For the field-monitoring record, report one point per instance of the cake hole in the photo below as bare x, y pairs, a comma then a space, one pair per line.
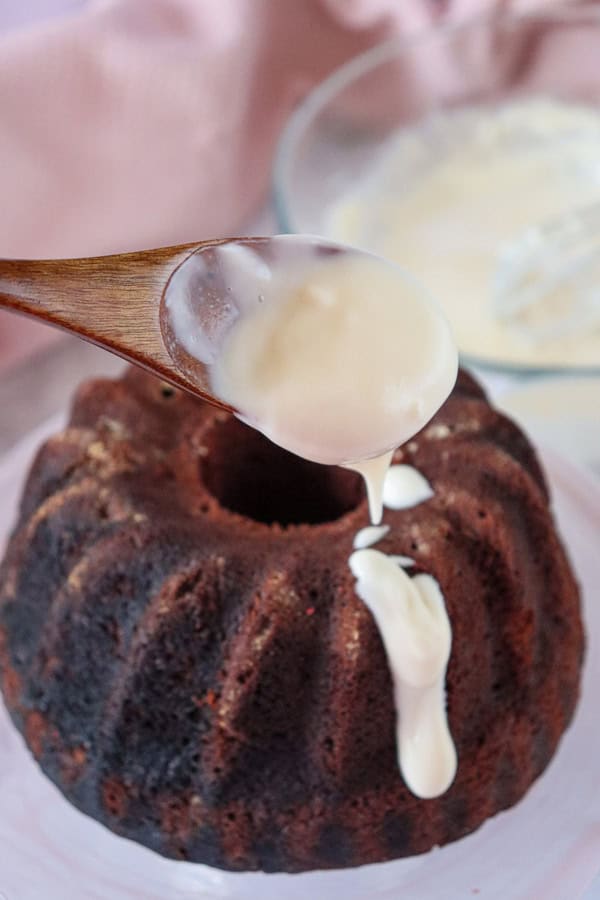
167, 391
250, 475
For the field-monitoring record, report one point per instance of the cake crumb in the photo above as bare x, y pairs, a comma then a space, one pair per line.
437, 432
97, 451
115, 427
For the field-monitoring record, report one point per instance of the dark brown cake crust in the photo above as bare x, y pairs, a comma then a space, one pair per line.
210, 685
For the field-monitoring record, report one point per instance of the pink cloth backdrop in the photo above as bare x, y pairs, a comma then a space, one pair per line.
136, 123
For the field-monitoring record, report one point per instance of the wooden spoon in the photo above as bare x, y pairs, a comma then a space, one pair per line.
156, 308
111, 301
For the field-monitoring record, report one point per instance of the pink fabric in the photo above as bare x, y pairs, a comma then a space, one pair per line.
136, 123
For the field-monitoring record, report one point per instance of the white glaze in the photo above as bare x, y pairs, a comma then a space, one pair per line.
416, 633
343, 358
374, 472
404, 561
369, 535
415, 630
404, 487
447, 196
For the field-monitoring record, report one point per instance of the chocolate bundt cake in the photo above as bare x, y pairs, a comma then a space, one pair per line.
183, 649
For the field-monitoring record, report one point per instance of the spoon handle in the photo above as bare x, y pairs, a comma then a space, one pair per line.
111, 301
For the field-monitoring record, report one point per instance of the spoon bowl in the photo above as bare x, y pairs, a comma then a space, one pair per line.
217, 283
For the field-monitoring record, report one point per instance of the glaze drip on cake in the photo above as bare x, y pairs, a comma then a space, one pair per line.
415, 630
369, 535
404, 487
416, 633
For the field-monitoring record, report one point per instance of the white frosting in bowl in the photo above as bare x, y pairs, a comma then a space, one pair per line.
447, 197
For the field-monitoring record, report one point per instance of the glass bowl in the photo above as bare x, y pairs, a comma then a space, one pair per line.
346, 126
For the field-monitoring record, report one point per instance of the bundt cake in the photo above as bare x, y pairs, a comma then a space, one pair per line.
184, 651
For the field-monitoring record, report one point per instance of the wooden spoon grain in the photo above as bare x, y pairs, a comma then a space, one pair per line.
111, 301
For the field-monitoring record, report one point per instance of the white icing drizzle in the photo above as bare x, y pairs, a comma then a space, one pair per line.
368, 536
403, 561
374, 472
416, 633
404, 487
339, 357
415, 630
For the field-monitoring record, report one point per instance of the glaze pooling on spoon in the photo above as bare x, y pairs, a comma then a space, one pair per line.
343, 359
446, 199
334, 354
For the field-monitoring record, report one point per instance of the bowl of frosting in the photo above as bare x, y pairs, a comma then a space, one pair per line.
446, 151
